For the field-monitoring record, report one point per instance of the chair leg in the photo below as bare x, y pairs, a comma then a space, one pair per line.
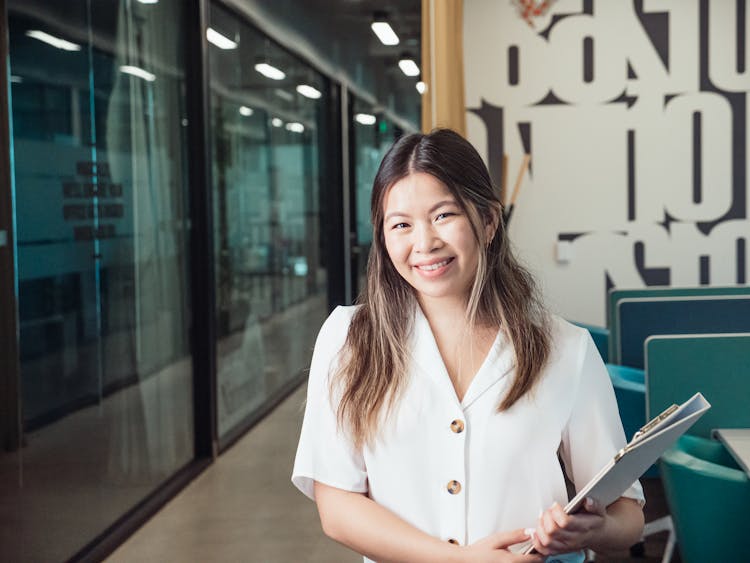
663, 524
669, 548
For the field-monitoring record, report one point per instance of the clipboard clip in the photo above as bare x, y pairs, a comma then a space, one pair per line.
645, 430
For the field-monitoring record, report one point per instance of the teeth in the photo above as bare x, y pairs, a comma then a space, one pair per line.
434, 266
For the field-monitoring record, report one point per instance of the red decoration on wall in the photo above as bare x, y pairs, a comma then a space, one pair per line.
530, 9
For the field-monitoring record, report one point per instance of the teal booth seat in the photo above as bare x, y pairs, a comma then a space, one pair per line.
630, 392
708, 496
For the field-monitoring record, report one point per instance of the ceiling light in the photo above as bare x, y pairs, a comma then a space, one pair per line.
139, 72
284, 95
383, 29
295, 127
246, 111
270, 71
52, 40
408, 66
276, 122
148, 1
221, 41
421, 87
309, 91
15, 79
365, 119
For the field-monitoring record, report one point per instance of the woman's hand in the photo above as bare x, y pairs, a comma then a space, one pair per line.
494, 549
559, 532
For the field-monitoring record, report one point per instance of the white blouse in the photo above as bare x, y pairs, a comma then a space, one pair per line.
459, 470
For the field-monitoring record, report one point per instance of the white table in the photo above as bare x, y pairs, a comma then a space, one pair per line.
737, 441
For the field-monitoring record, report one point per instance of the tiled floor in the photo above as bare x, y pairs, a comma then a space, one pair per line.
244, 508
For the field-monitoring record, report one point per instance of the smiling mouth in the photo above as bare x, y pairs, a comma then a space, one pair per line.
436, 265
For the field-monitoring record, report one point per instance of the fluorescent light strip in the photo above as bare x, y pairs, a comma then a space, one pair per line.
270, 71
365, 119
15, 79
276, 122
219, 40
246, 111
52, 40
148, 1
408, 67
138, 72
385, 33
308, 91
295, 127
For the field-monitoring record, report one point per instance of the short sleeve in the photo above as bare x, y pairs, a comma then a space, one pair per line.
324, 453
594, 431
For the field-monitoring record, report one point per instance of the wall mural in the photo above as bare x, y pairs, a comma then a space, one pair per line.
635, 114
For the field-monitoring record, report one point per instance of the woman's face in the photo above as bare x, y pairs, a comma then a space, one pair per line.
429, 238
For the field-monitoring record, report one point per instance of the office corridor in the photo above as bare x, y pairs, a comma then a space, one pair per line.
242, 508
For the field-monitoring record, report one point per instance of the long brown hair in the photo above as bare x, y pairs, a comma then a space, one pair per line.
373, 367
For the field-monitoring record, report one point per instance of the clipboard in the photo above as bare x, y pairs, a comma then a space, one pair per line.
638, 455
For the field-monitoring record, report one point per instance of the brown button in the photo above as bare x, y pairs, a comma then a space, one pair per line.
454, 542
457, 426
454, 487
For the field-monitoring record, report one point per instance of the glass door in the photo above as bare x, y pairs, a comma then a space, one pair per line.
98, 145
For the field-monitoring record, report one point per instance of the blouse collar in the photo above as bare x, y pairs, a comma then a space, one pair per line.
498, 363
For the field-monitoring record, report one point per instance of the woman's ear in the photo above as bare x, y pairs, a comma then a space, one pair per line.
491, 227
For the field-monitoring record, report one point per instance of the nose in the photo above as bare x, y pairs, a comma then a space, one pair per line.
426, 238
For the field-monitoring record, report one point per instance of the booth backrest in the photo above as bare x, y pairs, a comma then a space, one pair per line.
643, 317
677, 366
616, 294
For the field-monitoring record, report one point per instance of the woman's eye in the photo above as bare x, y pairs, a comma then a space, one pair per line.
400, 226
444, 215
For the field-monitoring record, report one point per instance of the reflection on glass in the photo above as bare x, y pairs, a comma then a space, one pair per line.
97, 104
372, 136
266, 107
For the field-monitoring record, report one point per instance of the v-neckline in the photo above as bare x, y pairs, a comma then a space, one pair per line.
427, 352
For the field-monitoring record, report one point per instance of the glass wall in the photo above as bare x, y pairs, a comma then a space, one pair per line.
372, 135
98, 98
266, 110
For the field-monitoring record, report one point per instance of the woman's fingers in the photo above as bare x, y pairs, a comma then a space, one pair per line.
592, 506
501, 540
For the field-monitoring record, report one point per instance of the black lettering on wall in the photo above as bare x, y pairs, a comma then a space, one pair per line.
741, 6
697, 162
524, 130
513, 65
656, 26
631, 175
493, 119
588, 60
737, 101
704, 275
650, 276
741, 265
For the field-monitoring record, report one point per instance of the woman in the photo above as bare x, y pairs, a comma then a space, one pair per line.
439, 410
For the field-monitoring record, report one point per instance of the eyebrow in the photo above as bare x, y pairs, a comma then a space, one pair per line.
438, 205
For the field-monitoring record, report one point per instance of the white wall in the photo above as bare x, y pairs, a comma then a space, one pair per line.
680, 216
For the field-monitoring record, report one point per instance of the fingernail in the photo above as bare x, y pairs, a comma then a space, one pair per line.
529, 532
589, 502
541, 511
